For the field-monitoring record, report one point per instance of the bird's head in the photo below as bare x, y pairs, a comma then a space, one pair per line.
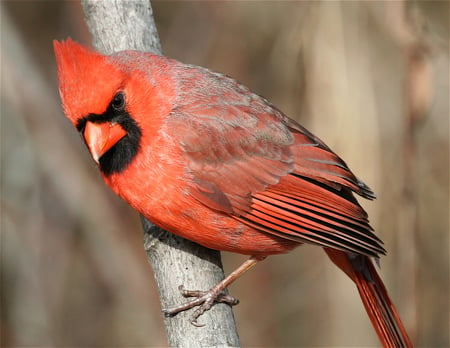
110, 99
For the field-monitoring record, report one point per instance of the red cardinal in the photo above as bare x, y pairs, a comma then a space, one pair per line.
203, 157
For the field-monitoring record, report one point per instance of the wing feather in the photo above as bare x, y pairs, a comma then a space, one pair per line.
247, 159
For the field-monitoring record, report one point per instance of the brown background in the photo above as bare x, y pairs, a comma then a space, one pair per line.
370, 78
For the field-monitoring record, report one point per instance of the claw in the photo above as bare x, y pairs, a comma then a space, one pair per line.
221, 297
204, 300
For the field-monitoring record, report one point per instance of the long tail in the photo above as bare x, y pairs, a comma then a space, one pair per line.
379, 307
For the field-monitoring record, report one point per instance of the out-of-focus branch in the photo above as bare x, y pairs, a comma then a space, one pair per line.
120, 25
418, 94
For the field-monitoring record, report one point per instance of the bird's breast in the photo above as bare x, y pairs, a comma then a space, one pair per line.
158, 189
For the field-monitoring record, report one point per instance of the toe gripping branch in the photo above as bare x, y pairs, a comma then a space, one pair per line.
205, 300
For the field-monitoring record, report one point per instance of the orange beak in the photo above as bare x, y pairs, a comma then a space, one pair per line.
100, 137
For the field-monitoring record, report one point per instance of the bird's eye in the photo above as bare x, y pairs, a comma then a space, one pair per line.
118, 102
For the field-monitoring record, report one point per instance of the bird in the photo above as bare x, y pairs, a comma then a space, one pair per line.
202, 156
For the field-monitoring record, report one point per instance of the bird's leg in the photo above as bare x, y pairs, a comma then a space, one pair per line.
206, 299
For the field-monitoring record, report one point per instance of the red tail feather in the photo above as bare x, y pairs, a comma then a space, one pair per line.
379, 307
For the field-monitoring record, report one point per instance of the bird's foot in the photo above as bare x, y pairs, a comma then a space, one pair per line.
204, 300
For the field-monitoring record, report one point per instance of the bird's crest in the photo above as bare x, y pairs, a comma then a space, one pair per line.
87, 79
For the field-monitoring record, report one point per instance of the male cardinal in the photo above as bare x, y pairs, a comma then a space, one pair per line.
203, 157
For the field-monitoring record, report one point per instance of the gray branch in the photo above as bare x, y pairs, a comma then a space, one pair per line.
117, 25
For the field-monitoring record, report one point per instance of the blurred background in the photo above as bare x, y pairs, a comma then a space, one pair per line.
369, 78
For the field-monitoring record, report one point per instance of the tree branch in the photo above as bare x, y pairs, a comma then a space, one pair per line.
117, 25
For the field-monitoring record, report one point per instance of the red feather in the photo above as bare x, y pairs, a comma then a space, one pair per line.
207, 159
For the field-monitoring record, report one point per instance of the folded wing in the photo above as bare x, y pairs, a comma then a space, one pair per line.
249, 160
